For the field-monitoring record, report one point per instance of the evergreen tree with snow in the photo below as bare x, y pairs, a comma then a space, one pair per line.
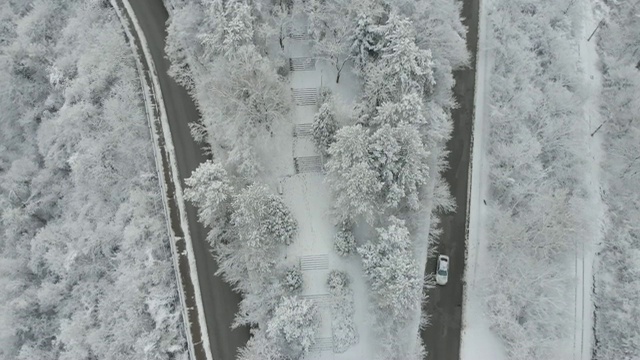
352, 176
209, 189
294, 325
260, 224
401, 162
402, 64
324, 127
392, 271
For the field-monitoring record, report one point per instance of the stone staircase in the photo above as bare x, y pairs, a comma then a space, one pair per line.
314, 262
322, 344
302, 130
296, 33
308, 164
305, 96
302, 64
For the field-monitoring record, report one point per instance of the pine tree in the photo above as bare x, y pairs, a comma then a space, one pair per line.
294, 325
352, 176
209, 189
324, 127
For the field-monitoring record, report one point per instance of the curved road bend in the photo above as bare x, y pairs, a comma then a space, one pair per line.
220, 302
442, 337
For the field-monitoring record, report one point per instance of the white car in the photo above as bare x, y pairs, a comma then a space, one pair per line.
442, 270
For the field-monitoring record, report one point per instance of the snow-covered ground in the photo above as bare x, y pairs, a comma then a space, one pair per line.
309, 199
585, 253
478, 341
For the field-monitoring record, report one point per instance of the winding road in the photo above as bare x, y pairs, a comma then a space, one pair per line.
442, 336
219, 300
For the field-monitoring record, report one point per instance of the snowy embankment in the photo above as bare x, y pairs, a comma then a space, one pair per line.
153, 100
499, 321
478, 342
585, 253
617, 284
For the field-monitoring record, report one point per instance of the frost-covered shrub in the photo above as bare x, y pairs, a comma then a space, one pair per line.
324, 127
325, 95
338, 282
342, 310
344, 242
293, 279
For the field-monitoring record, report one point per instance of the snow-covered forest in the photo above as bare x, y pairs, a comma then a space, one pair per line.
85, 263
617, 276
383, 152
540, 163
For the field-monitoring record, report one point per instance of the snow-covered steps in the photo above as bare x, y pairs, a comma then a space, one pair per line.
322, 344
314, 262
307, 164
305, 96
302, 130
302, 64
297, 33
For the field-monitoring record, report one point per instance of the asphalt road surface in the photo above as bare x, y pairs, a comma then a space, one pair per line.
442, 337
220, 302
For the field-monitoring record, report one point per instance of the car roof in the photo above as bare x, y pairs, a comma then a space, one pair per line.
444, 262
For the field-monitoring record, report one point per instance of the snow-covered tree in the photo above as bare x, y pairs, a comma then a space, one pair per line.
352, 176
230, 25
401, 67
401, 161
333, 25
392, 271
324, 127
209, 189
260, 225
410, 109
364, 43
260, 347
294, 325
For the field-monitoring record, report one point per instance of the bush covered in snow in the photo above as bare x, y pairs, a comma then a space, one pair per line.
344, 242
343, 328
324, 127
338, 282
293, 279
